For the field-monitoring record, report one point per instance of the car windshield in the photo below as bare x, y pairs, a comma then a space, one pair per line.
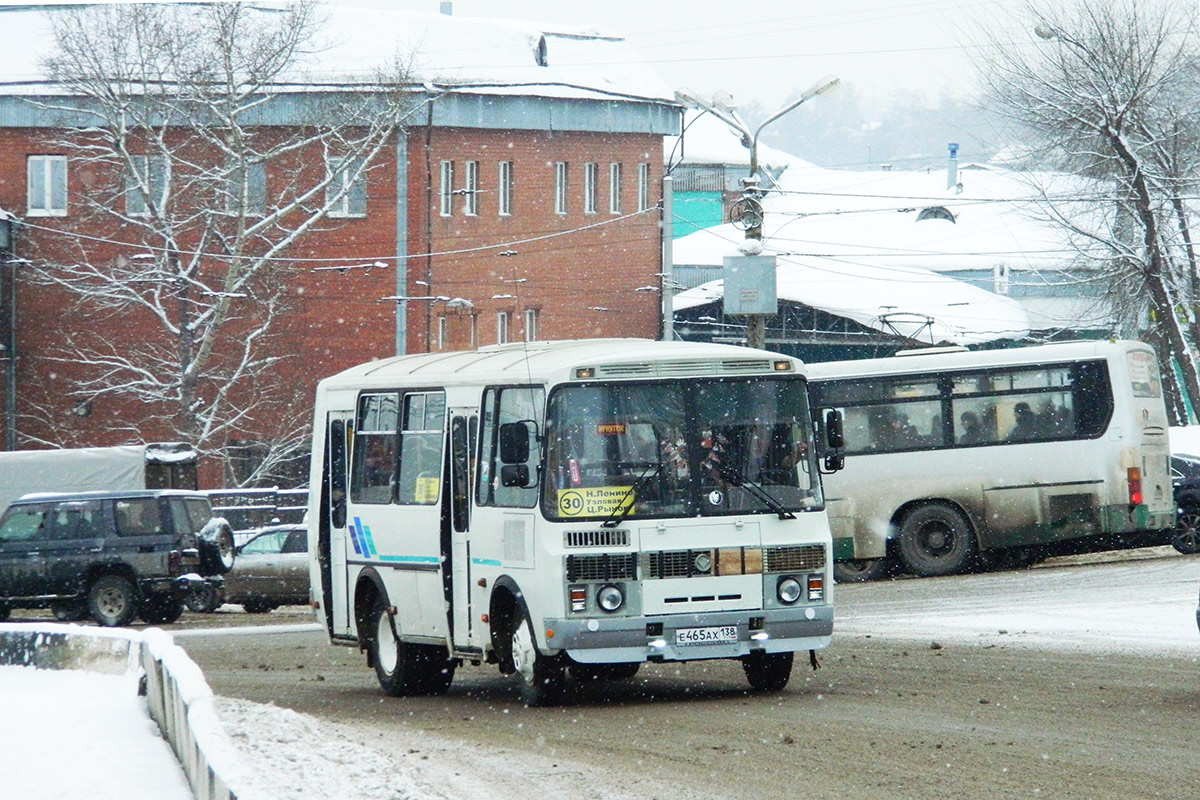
679, 448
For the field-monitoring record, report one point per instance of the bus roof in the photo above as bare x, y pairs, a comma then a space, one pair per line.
628, 358
938, 359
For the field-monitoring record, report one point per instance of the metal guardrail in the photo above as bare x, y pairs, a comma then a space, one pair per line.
178, 697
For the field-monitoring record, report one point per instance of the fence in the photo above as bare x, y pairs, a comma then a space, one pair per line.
246, 509
179, 698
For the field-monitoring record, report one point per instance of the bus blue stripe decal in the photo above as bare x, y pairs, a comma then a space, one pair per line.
487, 562
355, 535
412, 559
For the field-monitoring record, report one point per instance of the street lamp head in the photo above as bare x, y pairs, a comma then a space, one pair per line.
824, 87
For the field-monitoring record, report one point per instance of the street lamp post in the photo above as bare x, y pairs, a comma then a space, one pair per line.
750, 278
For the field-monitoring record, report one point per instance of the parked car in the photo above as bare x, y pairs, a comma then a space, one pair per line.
1185, 482
271, 571
110, 555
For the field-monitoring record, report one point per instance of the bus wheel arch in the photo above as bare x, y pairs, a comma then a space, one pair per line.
367, 592
502, 610
934, 538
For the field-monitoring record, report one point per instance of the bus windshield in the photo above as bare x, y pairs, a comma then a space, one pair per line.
679, 448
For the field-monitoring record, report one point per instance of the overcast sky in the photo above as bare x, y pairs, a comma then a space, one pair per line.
765, 49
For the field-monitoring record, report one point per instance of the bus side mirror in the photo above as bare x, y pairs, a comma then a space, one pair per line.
514, 475
514, 443
833, 429
835, 439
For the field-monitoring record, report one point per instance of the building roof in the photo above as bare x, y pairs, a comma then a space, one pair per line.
489, 56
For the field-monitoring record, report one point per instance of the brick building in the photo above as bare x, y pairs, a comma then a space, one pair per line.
520, 203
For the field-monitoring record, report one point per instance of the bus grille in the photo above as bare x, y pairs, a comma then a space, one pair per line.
604, 567
676, 563
793, 559
599, 538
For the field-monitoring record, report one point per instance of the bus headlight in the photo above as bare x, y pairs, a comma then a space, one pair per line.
610, 597
788, 589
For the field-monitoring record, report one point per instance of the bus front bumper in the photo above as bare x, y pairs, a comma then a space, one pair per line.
689, 637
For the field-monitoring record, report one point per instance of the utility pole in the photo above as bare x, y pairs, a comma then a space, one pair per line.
750, 277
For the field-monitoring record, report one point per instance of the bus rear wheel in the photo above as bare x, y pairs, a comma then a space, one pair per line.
935, 540
404, 669
861, 570
542, 677
768, 672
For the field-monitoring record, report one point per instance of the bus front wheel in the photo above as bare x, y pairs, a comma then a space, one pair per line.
768, 672
542, 677
935, 540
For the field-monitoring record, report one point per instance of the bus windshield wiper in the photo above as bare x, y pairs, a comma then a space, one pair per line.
622, 510
737, 478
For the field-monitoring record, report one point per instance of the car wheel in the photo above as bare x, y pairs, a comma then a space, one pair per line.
768, 672
861, 570
161, 609
1186, 538
204, 600
112, 601
542, 677
587, 673
69, 610
936, 540
217, 549
258, 605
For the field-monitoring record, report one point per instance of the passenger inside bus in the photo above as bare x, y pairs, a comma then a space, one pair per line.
1025, 425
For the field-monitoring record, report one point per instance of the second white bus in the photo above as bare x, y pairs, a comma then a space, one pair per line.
1002, 456
577, 508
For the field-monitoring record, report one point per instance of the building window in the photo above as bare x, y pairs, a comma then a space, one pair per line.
531, 324
471, 189
446, 188
560, 187
47, 186
501, 327
614, 188
248, 190
441, 333
589, 188
504, 189
147, 182
346, 194
643, 187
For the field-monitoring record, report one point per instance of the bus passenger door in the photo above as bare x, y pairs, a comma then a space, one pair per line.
332, 534
464, 426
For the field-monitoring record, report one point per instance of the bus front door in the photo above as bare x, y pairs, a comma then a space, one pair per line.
332, 534
464, 425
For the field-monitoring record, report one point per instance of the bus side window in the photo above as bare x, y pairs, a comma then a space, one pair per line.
504, 405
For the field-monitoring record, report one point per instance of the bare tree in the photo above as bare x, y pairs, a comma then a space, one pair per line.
1106, 89
209, 160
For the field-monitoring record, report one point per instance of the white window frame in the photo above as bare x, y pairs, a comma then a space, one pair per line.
353, 200
590, 170
643, 188
614, 188
49, 175
501, 327
471, 189
441, 332
531, 324
560, 187
446, 188
504, 188
145, 166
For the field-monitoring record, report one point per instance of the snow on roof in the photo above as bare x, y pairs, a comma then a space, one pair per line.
488, 55
708, 140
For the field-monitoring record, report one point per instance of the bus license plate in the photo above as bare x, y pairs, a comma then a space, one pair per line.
722, 634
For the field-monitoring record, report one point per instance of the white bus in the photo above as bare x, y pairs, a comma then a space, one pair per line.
575, 507
995, 457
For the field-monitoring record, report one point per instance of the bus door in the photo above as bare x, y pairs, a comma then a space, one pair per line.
332, 535
464, 425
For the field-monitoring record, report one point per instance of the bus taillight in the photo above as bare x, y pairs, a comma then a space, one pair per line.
1133, 477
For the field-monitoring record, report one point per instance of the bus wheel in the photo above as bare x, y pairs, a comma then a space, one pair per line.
432, 668
861, 570
1186, 538
542, 677
767, 672
935, 540
389, 654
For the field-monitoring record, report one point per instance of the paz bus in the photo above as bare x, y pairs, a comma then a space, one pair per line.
997, 457
572, 508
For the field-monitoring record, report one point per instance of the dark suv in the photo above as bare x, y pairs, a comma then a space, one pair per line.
110, 555
1185, 482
